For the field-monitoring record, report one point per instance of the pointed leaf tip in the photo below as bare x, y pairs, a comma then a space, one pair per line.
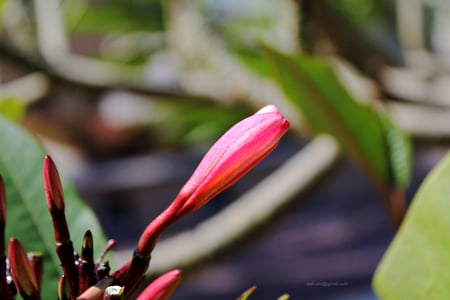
245, 295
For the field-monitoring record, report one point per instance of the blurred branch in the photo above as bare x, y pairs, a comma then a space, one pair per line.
412, 32
54, 49
421, 86
91, 74
52, 40
59, 64
251, 212
28, 88
410, 24
420, 121
212, 70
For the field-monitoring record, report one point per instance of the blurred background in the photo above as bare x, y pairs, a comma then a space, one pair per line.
128, 95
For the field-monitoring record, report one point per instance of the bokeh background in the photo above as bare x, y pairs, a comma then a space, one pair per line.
128, 95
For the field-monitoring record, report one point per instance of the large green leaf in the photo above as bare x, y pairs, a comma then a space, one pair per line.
417, 263
368, 135
21, 160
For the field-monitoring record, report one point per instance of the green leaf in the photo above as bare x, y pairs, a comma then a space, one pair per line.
367, 135
12, 109
28, 219
125, 17
399, 152
417, 263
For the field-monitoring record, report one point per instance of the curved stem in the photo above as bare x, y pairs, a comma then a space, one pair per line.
253, 210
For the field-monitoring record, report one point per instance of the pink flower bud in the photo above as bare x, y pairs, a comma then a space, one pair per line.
162, 287
231, 157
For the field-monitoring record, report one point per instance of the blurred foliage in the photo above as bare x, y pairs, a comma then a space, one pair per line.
12, 108
367, 135
241, 27
416, 264
360, 12
191, 123
244, 25
114, 16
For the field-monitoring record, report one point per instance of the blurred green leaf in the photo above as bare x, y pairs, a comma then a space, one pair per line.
416, 264
28, 219
12, 108
244, 26
360, 12
367, 135
253, 59
193, 123
118, 17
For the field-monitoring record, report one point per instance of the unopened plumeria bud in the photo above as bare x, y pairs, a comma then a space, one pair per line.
55, 202
87, 248
239, 150
86, 265
163, 287
230, 158
22, 273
